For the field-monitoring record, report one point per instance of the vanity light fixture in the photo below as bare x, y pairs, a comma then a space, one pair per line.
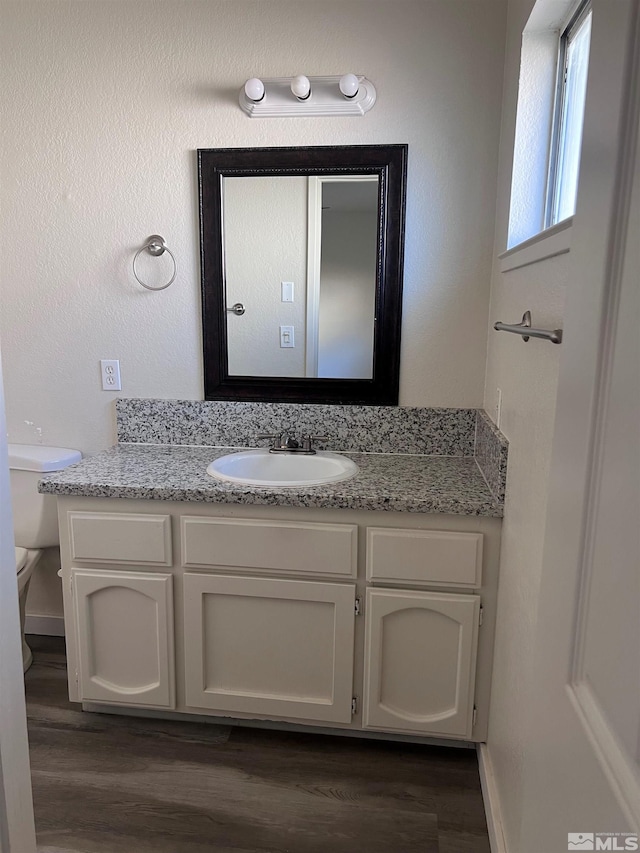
277, 97
349, 85
301, 87
254, 89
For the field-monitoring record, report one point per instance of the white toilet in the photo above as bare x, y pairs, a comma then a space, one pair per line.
35, 519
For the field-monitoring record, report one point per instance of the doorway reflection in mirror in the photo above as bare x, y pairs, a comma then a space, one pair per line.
321, 233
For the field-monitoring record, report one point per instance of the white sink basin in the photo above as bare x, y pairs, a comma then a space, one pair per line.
261, 468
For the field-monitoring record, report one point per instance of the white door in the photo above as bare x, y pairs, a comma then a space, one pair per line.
420, 656
584, 777
17, 832
270, 648
342, 245
125, 637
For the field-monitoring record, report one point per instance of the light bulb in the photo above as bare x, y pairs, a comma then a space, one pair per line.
349, 85
254, 89
301, 87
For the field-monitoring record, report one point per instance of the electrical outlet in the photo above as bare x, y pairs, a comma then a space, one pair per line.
498, 407
110, 372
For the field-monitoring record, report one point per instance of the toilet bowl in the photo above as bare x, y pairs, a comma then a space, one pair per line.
25, 564
35, 519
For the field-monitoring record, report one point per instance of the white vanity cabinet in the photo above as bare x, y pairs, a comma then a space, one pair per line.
275, 647
120, 621
342, 619
421, 646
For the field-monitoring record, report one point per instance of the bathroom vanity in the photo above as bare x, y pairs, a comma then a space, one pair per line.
366, 605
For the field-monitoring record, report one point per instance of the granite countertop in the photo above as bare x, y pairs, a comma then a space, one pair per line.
385, 481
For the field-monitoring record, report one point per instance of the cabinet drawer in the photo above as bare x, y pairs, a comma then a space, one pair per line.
284, 547
113, 537
424, 557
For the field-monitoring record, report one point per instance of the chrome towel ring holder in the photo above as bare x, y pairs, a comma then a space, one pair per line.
156, 246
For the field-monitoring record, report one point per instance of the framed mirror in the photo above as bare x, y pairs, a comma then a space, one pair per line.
301, 260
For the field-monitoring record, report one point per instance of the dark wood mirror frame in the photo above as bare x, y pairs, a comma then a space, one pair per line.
389, 163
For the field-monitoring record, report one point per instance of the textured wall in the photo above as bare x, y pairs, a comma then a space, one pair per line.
527, 374
102, 107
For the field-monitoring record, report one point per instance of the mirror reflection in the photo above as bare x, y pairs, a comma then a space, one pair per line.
301, 261
301, 258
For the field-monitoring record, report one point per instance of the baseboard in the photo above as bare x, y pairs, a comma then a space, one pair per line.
491, 801
48, 626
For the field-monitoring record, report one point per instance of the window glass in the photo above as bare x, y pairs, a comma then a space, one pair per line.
565, 161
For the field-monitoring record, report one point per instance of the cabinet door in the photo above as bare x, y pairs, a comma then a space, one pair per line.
124, 625
420, 661
270, 648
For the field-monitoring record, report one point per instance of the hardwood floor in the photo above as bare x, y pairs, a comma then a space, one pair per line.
109, 784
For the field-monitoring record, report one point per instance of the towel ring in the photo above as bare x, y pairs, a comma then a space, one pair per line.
156, 246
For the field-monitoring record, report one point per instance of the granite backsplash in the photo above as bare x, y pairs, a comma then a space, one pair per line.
355, 429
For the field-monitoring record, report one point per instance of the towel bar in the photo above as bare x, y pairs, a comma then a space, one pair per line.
524, 329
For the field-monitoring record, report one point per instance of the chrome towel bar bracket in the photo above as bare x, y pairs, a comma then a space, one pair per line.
524, 328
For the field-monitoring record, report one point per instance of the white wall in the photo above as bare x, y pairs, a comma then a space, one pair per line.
270, 214
102, 107
527, 374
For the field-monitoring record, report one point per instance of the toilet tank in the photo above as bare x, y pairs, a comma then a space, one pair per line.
35, 517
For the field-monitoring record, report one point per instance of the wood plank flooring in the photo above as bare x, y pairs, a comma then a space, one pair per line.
109, 784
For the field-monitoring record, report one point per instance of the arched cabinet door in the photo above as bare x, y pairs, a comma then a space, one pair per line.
125, 637
420, 659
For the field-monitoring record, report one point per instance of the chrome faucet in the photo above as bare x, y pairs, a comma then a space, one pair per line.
284, 442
